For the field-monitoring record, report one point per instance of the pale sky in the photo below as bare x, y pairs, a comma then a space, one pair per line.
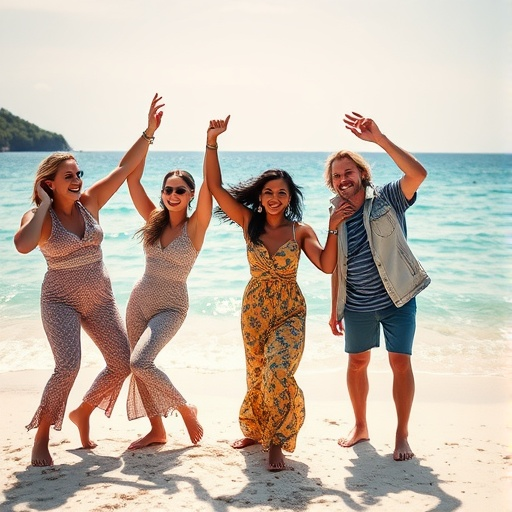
436, 75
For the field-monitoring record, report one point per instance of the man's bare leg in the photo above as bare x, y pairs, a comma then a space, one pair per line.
403, 395
157, 435
80, 417
358, 387
40, 451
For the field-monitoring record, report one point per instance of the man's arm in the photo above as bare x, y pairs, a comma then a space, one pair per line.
366, 129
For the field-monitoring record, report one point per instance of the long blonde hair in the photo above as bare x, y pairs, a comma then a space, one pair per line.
47, 170
159, 217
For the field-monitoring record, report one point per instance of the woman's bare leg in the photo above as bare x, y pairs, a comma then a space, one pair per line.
157, 435
189, 415
275, 458
80, 417
40, 451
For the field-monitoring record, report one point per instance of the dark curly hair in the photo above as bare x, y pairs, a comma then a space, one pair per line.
248, 193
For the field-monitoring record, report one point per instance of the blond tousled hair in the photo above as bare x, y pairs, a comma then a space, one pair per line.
361, 163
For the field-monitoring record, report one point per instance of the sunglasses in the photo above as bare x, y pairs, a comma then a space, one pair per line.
179, 190
78, 174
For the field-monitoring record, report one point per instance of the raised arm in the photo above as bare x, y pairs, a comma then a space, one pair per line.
140, 198
98, 194
33, 227
325, 258
200, 219
366, 129
236, 211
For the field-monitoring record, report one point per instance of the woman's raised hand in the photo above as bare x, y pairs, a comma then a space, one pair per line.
43, 194
155, 115
215, 128
341, 213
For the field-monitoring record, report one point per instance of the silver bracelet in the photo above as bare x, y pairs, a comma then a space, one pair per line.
149, 139
332, 231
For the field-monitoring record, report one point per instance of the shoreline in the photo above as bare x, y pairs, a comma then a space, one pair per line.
460, 430
433, 352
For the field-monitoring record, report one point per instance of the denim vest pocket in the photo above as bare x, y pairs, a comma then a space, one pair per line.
382, 220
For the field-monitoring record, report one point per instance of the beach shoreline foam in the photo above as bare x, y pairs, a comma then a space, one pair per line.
460, 431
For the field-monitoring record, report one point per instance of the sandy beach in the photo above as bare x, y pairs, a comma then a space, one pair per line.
460, 432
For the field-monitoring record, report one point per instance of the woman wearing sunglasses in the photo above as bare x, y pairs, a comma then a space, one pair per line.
158, 303
269, 210
76, 290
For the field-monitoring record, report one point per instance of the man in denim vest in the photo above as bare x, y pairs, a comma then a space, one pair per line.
377, 277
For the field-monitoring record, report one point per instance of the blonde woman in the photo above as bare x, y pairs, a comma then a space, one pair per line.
76, 290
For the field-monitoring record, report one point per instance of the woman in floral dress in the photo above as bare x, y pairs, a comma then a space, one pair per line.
269, 210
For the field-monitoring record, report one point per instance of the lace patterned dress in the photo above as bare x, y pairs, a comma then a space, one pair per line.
76, 292
157, 308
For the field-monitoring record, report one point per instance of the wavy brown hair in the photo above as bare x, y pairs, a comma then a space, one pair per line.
159, 217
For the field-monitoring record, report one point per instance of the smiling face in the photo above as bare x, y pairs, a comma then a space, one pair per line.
67, 182
346, 178
176, 194
275, 196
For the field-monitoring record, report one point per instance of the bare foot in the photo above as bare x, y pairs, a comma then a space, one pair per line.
148, 440
275, 458
41, 454
402, 450
80, 417
356, 435
189, 415
242, 443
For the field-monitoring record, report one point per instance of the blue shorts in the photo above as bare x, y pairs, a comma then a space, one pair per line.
362, 330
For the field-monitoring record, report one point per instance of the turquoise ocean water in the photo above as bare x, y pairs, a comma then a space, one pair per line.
460, 228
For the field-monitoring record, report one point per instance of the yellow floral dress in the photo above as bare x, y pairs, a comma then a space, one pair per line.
273, 328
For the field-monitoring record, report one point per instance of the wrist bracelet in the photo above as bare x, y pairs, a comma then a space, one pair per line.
332, 231
149, 139
210, 146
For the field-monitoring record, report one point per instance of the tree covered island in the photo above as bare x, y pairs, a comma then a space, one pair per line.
17, 134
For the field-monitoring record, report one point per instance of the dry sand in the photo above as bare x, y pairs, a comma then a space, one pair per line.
460, 431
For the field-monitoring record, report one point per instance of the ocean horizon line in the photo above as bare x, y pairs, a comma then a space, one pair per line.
284, 151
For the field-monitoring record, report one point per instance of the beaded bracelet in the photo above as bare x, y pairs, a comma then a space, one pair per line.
149, 139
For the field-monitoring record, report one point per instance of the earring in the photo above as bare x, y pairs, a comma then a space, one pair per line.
259, 209
288, 210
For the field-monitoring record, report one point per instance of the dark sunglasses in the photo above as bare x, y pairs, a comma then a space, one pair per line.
179, 190
78, 174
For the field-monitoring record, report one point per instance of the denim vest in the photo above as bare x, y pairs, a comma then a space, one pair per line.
401, 273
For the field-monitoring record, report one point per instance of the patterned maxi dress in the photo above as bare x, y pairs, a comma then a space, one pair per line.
76, 292
157, 308
273, 327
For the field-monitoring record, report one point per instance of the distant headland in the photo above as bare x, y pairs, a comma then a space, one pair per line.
17, 134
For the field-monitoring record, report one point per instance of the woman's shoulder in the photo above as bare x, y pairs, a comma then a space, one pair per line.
302, 227
28, 214
88, 208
